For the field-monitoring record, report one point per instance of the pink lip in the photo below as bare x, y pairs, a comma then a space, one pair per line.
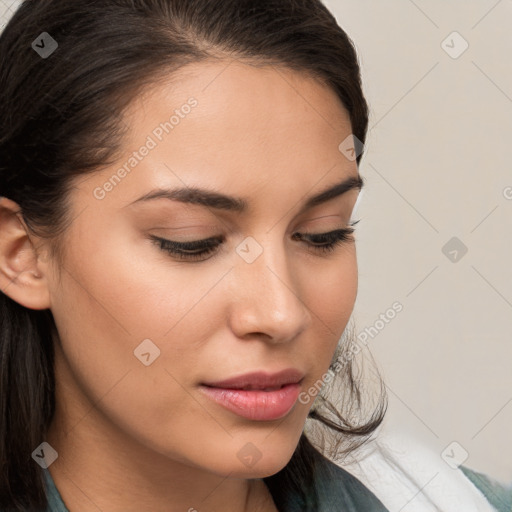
255, 403
259, 380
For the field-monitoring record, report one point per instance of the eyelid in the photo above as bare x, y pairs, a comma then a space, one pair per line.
221, 238
192, 251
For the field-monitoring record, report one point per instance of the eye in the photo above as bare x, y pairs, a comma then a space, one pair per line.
190, 251
199, 250
327, 242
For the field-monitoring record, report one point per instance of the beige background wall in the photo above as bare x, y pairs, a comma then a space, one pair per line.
438, 165
438, 170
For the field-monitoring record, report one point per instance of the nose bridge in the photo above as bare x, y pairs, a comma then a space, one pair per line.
268, 297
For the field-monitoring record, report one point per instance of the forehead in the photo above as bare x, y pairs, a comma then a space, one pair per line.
235, 126
241, 105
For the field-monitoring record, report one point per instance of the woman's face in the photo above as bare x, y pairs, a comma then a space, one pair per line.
142, 330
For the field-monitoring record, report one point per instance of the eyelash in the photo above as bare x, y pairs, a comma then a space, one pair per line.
180, 250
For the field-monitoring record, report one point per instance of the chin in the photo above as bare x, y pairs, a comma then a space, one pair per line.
259, 456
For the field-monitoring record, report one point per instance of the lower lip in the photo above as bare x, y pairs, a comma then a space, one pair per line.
256, 404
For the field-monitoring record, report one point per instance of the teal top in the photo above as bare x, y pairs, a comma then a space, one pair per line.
499, 496
334, 487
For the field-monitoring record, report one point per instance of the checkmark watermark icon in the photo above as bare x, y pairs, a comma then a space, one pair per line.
454, 45
44, 45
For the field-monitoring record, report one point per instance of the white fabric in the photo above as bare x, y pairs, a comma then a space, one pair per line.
408, 476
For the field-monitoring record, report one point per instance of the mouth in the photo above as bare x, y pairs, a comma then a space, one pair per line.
257, 396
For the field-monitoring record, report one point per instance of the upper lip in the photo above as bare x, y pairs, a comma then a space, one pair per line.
260, 380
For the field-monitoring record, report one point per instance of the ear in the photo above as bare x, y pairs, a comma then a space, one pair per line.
22, 267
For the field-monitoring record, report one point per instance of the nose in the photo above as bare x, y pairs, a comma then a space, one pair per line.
267, 299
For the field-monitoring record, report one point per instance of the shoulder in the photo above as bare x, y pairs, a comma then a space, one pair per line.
498, 495
311, 482
55, 502
406, 474
335, 486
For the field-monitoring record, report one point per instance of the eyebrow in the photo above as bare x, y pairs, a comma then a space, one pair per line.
216, 200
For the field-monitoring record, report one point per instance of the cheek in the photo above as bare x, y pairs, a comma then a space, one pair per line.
113, 298
332, 288
124, 292
131, 288
331, 298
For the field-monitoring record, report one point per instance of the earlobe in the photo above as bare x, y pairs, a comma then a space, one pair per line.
22, 271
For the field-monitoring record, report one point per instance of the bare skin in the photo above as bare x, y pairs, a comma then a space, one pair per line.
132, 437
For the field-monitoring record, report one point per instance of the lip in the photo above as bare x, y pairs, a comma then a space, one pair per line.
270, 397
259, 380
